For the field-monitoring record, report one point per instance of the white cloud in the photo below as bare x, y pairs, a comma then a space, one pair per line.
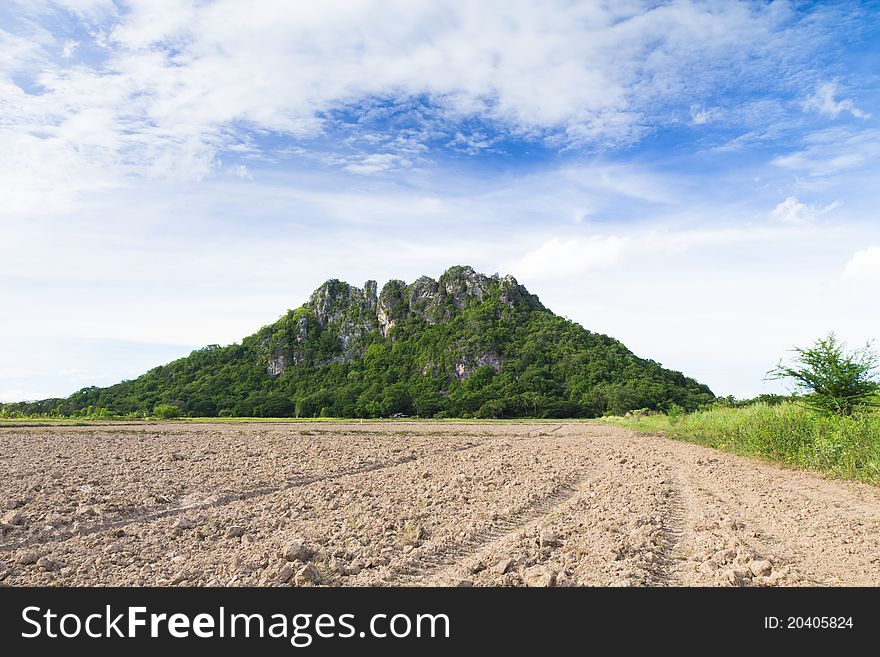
558, 259
472, 143
792, 211
832, 151
701, 115
182, 82
69, 48
376, 163
241, 171
86, 8
864, 265
823, 101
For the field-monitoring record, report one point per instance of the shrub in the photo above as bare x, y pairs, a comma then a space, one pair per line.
166, 411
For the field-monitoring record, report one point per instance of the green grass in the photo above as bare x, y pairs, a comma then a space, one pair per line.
847, 447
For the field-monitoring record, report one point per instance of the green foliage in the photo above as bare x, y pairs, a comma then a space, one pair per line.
835, 381
491, 410
450, 354
166, 411
848, 446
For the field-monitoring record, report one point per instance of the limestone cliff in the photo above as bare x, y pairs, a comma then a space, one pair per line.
340, 315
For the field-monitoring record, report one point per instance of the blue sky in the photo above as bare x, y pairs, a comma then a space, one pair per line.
697, 179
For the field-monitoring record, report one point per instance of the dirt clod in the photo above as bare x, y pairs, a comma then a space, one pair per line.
297, 551
761, 568
308, 574
46, 564
29, 558
502, 566
539, 576
12, 518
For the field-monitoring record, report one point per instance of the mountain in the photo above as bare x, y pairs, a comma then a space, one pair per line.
462, 346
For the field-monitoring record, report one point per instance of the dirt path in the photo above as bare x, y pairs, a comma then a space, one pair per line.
394, 504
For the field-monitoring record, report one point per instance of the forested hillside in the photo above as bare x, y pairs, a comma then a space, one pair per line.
462, 346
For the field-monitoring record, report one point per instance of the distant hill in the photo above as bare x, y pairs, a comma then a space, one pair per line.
462, 346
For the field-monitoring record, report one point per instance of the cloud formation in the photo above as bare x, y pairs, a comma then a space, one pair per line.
831, 151
160, 89
792, 211
824, 102
864, 265
565, 259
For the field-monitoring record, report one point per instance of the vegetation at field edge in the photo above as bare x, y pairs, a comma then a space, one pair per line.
789, 432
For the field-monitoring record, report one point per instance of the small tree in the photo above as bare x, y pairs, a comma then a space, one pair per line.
166, 411
836, 381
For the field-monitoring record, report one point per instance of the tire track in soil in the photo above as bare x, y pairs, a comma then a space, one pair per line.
759, 538
211, 503
663, 571
535, 433
426, 570
695, 505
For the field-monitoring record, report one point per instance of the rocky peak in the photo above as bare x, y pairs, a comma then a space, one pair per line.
350, 312
428, 299
392, 306
336, 299
370, 293
461, 283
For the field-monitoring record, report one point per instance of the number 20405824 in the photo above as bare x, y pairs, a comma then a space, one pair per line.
808, 622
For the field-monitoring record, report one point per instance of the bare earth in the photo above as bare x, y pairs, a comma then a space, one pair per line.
536, 504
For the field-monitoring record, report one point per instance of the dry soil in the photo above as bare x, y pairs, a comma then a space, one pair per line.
391, 504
